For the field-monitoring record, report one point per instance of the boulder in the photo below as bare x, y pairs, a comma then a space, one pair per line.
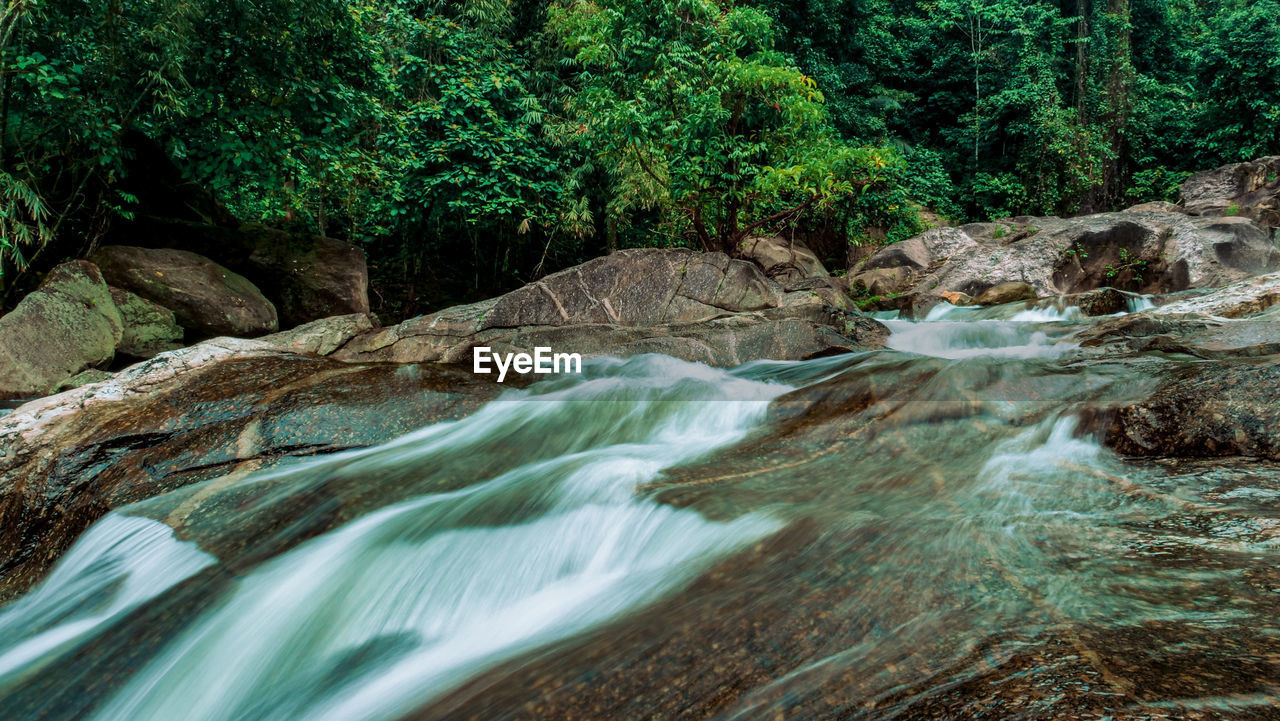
149, 328
638, 288
1250, 190
1146, 252
785, 261
309, 277
883, 281
215, 410
922, 251
206, 298
1155, 206
696, 306
785, 333
1006, 293
66, 325
957, 299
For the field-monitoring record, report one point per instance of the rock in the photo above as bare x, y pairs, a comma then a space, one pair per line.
309, 277
66, 325
1155, 206
780, 334
1101, 301
1223, 408
785, 261
956, 298
1147, 252
702, 307
1194, 335
149, 328
321, 337
883, 281
1238, 300
638, 288
206, 298
1006, 293
1250, 190
226, 406
83, 378
923, 250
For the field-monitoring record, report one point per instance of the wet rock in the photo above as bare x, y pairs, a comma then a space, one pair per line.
149, 328
1006, 293
1239, 300
206, 298
66, 325
1250, 190
1194, 335
221, 407
309, 277
1224, 408
1102, 301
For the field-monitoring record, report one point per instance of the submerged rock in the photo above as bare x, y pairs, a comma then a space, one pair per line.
206, 298
1225, 408
66, 325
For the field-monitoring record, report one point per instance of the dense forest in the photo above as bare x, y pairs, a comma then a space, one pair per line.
470, 145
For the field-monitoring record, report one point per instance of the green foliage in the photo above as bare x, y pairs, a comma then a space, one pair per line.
1129, 264
695, 116
472, 144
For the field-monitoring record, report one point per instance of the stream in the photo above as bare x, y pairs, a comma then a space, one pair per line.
928, 531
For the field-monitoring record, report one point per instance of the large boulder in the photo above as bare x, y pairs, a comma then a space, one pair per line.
1250, 190
638, 288
309, 277
207, 299
696, 306
149, 328
66, 325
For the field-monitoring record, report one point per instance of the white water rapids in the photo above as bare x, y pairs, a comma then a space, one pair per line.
370, 620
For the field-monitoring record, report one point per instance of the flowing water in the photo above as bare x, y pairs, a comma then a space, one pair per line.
929, 531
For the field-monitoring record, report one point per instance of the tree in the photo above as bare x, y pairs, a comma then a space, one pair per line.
693, 112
